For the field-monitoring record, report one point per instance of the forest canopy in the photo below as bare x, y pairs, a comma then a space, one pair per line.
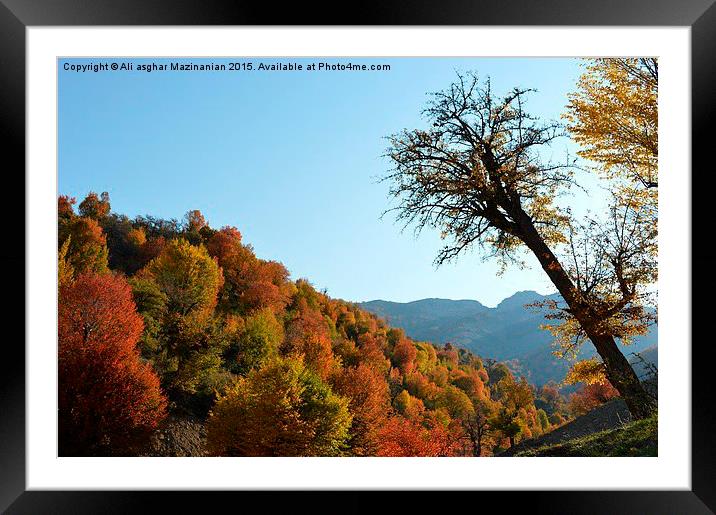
180, 319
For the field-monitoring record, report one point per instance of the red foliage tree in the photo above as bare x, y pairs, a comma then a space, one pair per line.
150, 249
370, 352
421, 387
471, 384
107, 395
251, 283
402, 437
224, 245
65, 206
194, 221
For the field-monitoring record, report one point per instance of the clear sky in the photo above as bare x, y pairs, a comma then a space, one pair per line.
289, 158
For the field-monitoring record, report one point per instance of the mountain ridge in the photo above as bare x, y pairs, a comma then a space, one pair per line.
470, 301
508, 332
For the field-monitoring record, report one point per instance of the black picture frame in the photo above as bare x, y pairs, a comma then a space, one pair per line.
17, 15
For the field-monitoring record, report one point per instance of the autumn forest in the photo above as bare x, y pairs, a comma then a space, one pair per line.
175, 339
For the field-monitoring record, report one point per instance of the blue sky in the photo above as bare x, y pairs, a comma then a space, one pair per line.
289, 158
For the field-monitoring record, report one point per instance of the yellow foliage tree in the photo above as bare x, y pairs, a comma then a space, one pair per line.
281, 409
588, 371
65, 271
613, 115
188, 276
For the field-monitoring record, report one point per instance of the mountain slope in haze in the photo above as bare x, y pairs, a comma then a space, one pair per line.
508, 332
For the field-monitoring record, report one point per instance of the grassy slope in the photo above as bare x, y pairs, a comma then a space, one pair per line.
634, 439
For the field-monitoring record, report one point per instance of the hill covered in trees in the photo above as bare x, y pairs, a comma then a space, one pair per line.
509, 332
162, 319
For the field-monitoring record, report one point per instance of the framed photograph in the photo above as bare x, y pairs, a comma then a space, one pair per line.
428, 250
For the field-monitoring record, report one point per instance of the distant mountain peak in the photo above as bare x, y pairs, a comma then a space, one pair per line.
520, 298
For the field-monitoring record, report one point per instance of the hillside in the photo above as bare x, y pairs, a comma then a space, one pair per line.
198, 347
605, 431
508, 332
605, 417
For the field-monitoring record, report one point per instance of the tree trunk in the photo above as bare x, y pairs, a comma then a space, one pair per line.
619, 371
622, 376
475, 435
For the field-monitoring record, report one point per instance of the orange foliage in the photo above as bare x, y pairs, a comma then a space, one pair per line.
591, 396
95, 207
194, 221
401, 437
482, 374
137, 237
367, 392
470, 384
225, 244
307, 334
410, 407
151, 248
371, 353
421, 387
439, 375
289, 370
404, 354
64, 206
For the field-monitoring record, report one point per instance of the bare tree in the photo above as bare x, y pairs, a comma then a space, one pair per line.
478, 175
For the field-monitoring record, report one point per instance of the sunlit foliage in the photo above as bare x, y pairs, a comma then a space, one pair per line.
613, 115
95, 207
188, 276
259, 339
368, 395
591, 396
280, 409
86, 249
402, 437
